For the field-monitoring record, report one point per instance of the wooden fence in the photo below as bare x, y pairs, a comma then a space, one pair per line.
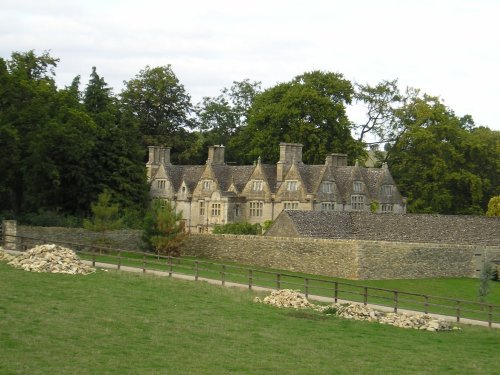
250, 277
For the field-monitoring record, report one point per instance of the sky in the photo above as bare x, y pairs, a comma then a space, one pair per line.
445, 48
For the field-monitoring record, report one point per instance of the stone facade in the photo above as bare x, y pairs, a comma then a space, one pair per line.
217, 193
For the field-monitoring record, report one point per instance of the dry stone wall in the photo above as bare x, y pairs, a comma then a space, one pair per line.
32, 236
316, 256
351, 259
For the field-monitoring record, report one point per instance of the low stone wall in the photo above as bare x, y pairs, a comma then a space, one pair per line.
316, 256
350, 259
122, 239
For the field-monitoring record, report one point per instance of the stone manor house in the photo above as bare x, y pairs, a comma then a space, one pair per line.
217, 193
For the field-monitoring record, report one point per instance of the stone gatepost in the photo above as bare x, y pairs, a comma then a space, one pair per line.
10, 240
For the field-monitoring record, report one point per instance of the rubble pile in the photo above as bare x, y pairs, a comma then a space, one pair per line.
51, 259
419, 321
286, 298
5, 257
354, 311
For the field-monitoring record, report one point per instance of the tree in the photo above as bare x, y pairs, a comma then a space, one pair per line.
442, 162
380, 101
161, 106
106, 217
219, 118
310, 110
119, 153
493, 207
106, 214
163, 229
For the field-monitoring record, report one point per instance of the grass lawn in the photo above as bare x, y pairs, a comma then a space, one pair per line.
454, 288
123, 323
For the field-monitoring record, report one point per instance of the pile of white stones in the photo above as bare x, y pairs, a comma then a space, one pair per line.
354, 311
5, 257
51, 259
419, 321
286, 298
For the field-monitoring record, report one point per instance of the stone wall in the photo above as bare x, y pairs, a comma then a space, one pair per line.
352, 259
316, 256
446, 229
122, 239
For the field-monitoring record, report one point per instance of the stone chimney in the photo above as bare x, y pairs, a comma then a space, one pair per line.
336, 160
289, 153
216, 155
165, 155
156, 156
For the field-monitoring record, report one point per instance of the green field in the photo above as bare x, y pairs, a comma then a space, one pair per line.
442, 293
123, 323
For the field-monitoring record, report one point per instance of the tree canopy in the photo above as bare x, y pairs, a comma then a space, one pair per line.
61, 147
310, 110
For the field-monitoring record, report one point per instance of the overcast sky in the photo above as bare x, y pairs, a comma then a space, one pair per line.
446, 48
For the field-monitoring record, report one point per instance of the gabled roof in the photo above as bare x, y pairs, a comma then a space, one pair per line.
311, 176
190, 174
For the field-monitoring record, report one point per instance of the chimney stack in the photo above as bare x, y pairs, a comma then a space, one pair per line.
216, 155
336, 160
289, 153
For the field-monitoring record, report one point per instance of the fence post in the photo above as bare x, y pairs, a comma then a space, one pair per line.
250, 278
93, 257
278, 281
223, 274
336, 294
170, 265
426, 305
307, 287
197, 270
395, 301
365, 296
458, 311
143, 262
119, 259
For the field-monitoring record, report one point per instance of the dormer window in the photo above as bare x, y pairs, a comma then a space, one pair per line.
207, 185
257, 185
387, 190
161, 184
327, 187
358, 186
292, 185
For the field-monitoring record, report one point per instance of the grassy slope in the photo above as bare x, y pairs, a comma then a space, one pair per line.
118, 323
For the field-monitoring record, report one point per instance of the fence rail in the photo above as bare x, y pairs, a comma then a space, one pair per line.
253, 277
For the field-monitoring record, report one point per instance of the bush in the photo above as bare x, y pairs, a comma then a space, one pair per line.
50, 219
163, 229
238, 228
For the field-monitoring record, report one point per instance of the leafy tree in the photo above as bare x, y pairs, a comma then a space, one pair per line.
161, 106
493, 207
220, 117
163, 229
310, 110
380, 102
439, 161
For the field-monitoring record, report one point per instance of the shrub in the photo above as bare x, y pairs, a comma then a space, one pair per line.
163, 229
44, 218
238, 228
